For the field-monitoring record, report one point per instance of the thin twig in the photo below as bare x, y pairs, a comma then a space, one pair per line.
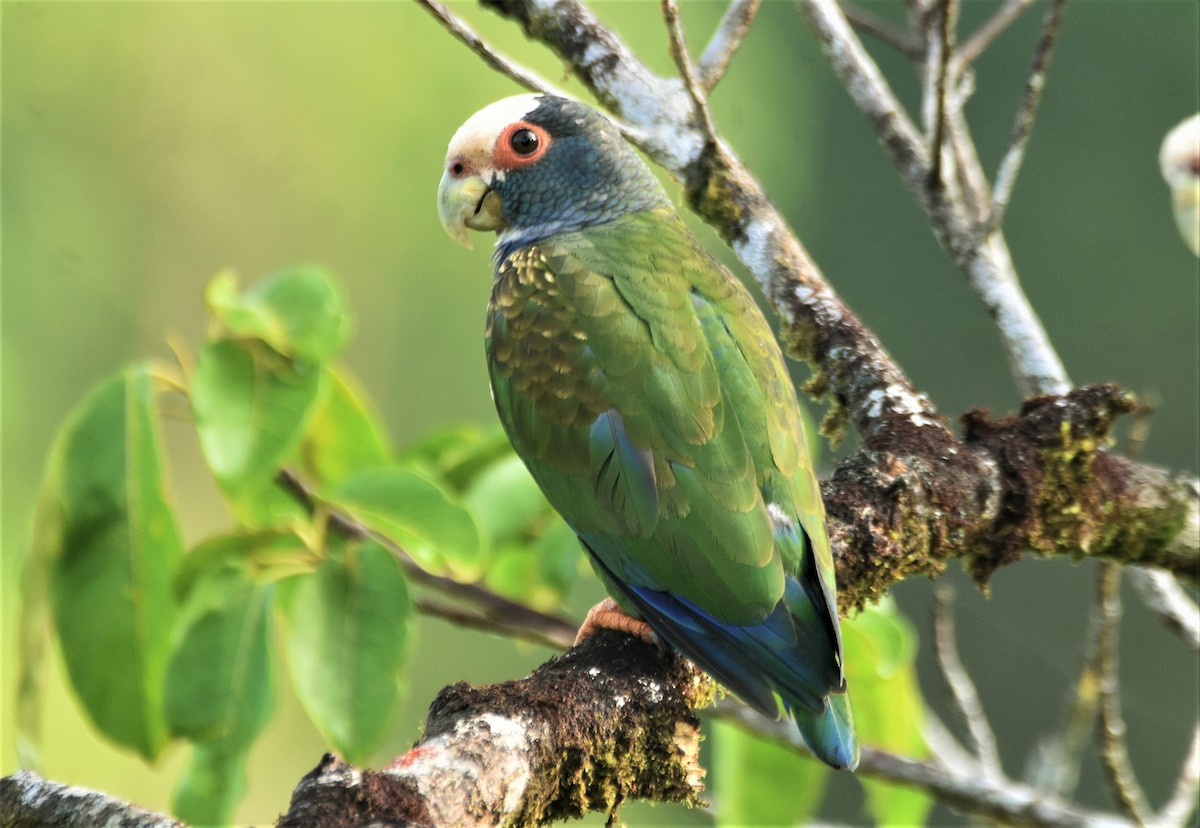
962, 689
725, 41
1139, 427
1056, 762
973, 184
1182, 803
975, 45
558, 637
506, 66
1168, 600
679, 53
1113, 753
945, 745
516, 617
1161, 592
1006, 176
903, 41
983, 257
940, 58
963, 788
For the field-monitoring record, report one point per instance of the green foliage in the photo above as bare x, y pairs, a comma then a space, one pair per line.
163, 645
345, 434
299, 313
251, 406
347, 639
414, 510
108, 534
747, 774
221, 678
212, 784
880, 647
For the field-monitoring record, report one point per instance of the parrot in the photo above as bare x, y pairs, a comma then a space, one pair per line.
1179, 159
643, 388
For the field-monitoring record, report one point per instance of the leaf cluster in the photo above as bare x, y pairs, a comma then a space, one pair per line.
164, 643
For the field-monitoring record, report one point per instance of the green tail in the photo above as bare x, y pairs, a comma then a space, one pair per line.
830, 735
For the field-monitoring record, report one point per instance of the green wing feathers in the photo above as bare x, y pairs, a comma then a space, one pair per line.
634, 317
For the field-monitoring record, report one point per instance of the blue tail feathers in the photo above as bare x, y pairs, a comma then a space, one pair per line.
781, 655
830, 735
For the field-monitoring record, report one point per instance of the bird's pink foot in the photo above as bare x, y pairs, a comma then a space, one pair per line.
608, 616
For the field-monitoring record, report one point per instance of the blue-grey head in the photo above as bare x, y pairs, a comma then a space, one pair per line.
531, 166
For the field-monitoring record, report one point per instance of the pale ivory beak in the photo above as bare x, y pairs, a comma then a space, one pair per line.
468, 203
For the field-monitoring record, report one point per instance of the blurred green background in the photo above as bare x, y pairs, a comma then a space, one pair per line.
146, 146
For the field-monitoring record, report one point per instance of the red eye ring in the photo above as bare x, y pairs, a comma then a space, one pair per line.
519, 145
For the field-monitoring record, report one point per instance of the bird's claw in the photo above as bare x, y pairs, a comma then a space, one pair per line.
608, 616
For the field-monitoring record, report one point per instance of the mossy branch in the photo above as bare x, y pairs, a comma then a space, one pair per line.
609, 721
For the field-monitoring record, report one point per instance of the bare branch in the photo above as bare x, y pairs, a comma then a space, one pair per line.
962, 689
939, 54
870, 23
502, 64
1182, 803
1169, 602
1115, 757
557, 636
975, 45
725, 41
1056, 761
516, 618
1006, 176
973, 185
27, 799
679, 53
984, 258
868, 88
943, 744
964, 789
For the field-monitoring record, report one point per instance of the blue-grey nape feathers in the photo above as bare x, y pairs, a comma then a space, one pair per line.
589, 175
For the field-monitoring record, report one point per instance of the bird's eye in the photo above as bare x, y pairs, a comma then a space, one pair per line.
524, 142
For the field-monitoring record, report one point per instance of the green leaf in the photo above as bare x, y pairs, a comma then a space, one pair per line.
416, 513
220, 683
346, 435
264, 555
348, 627
747, 780
513, 571
212, 784
251, 407
460, 453
505, 501
880, 648
220, 680
106, 524
298, 312
558, 554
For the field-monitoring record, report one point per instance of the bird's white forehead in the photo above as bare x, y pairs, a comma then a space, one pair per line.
1180, 147
481, 129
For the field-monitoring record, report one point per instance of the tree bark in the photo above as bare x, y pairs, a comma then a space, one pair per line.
608, 721
28, 801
